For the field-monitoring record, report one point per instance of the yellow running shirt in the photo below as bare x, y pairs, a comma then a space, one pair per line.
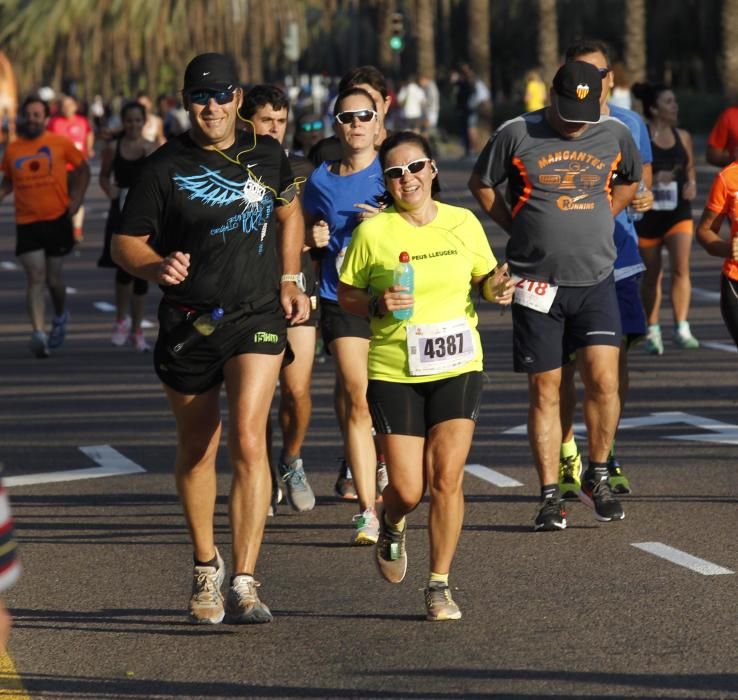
445, 255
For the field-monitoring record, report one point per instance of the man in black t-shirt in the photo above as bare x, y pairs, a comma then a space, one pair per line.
200, 221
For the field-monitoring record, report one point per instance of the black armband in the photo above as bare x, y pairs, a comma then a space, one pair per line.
374, 311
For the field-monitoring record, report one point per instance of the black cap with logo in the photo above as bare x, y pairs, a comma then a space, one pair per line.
210, 71
578, 87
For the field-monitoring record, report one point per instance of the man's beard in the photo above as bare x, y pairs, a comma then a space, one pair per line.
31, 131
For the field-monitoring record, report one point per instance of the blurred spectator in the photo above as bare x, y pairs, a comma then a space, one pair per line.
411, 100
154, 127
620, 95
535, 91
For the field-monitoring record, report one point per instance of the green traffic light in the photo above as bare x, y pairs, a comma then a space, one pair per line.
396, 43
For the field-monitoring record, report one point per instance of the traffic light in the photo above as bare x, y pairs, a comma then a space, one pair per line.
397, 33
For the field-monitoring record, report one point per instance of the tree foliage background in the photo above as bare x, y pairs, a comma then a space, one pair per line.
119, 46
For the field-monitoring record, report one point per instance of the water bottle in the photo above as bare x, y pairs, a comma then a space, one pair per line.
187, 335
634, 216
405, 277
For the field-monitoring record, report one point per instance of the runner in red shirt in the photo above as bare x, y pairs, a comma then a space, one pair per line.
722, 145
77, 129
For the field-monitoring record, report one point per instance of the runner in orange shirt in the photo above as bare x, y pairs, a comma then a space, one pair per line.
722, 144
35, 168
721, 204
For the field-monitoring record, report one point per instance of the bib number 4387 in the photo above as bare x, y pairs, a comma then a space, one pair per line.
434, 348
443, 346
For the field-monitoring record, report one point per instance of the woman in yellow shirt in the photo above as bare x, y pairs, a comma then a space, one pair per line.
425, 373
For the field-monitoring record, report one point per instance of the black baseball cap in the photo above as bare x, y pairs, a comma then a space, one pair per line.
210, 71
578, 87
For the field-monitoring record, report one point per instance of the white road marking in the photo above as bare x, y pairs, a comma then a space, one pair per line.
105, 306
676, 556
491, 475
705, 294
71, 290
8, 265
146, 324
112, 463
726, 347
722, 433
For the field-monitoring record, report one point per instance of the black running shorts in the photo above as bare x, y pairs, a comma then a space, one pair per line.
337, 323
201, 368
578, 317
55, 237
413, 409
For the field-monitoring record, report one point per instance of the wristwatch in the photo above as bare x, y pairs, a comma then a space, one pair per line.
298, 279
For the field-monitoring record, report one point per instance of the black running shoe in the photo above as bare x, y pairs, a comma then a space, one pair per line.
597, 494
551, 516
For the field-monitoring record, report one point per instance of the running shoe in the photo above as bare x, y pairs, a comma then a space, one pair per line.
654, 344
684, 339
58, 330
39, 344
439, 604
366, 526
300, 496
570, 476
206, 601
345, 483
121, 329
597, 494
243, 606
551, 516
382, 478
138, 341
618, 481
391, 555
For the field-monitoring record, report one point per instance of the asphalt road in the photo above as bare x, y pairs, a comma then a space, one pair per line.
594, 611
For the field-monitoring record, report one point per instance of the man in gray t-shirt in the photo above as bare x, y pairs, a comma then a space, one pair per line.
568, 173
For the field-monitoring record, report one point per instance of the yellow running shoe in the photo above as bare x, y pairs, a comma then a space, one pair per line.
618, 481
570, 476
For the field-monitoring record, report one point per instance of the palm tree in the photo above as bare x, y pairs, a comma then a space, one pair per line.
730, 49
426, 43
478, 17
548, 39
635, 39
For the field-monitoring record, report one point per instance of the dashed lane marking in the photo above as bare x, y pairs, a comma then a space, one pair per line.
112, 463
725, 347
676, 556
491, 475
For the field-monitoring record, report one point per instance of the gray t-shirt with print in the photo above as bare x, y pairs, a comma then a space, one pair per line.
559, 194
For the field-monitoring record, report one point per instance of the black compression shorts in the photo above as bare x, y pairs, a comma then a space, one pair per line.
413, 409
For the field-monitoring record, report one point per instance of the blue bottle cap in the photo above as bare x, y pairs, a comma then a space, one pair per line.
216, 314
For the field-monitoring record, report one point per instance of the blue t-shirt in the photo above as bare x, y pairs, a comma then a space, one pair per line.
333, 197
628, 261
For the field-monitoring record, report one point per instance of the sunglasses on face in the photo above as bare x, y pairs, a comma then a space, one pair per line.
202, 97
415, 166
363, 115
317, 125
603, 72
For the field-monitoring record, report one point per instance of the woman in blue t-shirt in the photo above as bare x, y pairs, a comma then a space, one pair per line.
337, 195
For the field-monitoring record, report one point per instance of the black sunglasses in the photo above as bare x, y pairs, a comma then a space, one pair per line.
415, 166
363, 115
202, 97
317, 125
603, 72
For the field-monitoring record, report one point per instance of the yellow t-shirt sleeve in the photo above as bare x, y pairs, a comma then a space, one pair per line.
484, 258
355, 270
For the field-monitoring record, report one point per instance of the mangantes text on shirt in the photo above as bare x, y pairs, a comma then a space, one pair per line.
578, 175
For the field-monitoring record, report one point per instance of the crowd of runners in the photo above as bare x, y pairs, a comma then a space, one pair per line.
262, 249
